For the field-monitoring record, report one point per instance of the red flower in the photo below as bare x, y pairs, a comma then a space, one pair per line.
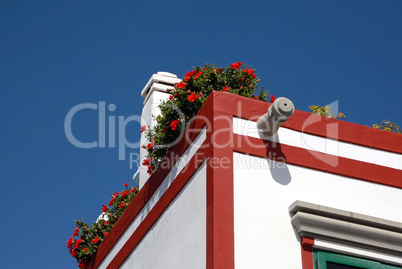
150, 145
194, 73
95, 240
188, 75
133, 189
150, 168
255, 97
164, 130
112, 201
174, 124
225, 89
146, 161
82, 264
192, 97
77, 243
236, 65
73, 252
170, 97
105, 234
241, 79
122, 205
220, 70
181, 84
250, 71
124, 193
198, 75
143, 128
272, 98
69, 242
85, 249
126, 185
104, 208
106, 222
76, 230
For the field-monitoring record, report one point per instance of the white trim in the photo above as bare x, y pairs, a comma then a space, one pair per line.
160, 77
174, 172
157, 87
322, 144
359, 252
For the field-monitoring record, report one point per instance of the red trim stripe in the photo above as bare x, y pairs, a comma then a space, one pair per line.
303, 157
307, 252
220, 199
301, 121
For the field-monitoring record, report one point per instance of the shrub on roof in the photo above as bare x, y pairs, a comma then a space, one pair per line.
188, 96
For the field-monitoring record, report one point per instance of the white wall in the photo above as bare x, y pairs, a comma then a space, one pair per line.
178, 239
263, 191
174, 172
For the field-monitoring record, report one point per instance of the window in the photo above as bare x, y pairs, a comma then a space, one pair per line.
330, 260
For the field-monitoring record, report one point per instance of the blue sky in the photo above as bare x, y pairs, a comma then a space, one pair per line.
59, 54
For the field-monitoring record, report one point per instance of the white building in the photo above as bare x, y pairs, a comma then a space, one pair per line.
321, 193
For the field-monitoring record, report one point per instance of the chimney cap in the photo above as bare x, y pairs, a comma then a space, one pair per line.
166, 74
161, 77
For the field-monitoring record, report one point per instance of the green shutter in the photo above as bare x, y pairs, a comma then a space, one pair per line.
322, 258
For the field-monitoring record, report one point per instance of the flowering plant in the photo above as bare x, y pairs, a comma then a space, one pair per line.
388, 126
188, 96
325, 111
90, 237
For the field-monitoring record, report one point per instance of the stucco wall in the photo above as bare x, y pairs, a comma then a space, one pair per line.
263, 191
178, 238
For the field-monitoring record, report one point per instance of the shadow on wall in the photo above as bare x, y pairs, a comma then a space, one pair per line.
276, 159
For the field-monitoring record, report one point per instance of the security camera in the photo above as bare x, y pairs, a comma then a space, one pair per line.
279, 112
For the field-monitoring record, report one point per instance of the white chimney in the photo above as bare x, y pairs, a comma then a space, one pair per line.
155, 91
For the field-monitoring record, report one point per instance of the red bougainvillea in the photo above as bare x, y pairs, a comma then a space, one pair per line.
187, 98
90, 237
236, 65
143, 128
174, 124
192, 97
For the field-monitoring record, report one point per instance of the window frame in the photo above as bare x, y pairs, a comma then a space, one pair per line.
321, 257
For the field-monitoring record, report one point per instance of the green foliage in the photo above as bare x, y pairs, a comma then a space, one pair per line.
188, 96
325, 111
91, 236
388, 126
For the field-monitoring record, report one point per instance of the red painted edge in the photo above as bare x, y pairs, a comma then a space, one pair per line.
170, 194
320, 161
305, 122
220, 199
307, 244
